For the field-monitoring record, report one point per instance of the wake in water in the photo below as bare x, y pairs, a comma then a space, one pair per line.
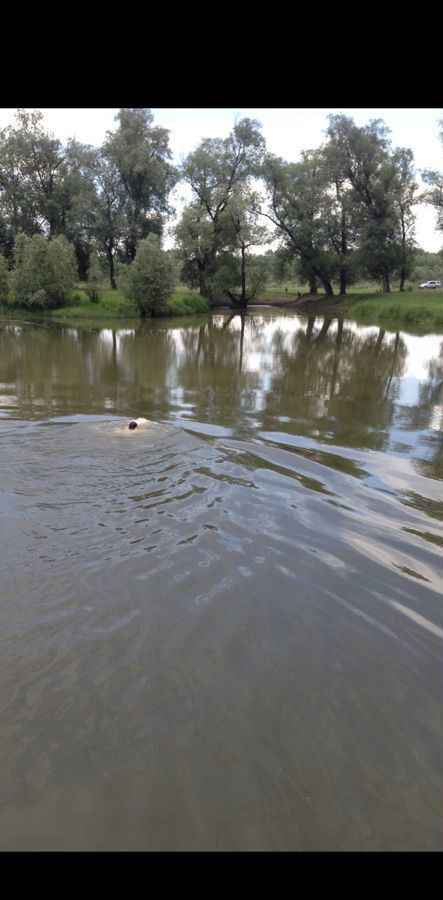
145, 427
189, 616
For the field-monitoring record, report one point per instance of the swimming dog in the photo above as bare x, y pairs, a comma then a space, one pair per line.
134, 423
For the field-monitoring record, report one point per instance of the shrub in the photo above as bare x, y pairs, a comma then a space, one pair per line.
45, 272
150, 279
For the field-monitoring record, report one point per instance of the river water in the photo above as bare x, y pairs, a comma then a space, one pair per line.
222, 631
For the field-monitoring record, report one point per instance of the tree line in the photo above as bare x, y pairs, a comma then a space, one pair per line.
343, 211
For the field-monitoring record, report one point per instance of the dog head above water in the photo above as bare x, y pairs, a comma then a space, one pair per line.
134, 423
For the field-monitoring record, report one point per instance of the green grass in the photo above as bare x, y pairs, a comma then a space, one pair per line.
112, 305
418, 311
186, 305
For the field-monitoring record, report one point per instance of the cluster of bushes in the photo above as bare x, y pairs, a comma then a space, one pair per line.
45, 275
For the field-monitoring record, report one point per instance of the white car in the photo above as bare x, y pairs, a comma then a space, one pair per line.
431, 284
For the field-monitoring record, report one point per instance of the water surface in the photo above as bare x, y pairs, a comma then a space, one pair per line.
224, 631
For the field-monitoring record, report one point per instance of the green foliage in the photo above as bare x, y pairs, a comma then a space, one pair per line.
300, 208
139, 153
241, 278
415, 310
185, 305
219, 173
95, 277
434, 194
4, 280
45, 272
150, 279
343, 211
427, 266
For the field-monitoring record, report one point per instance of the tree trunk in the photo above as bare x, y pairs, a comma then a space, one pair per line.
131, 249
202, 280
312, 284
344, 250
402, 278
110, 256
386, 287
327, 287
403, 253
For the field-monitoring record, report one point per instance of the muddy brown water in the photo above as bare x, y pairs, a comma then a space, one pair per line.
224, 630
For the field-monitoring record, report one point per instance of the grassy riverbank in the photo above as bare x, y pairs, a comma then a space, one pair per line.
111, 305
417, 311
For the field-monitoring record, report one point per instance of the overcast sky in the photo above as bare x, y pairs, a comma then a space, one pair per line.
287, 133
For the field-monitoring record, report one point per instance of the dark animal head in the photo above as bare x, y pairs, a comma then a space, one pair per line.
132, 425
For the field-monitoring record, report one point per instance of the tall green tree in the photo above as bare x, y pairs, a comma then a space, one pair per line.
340, 216
215, 172
297, 204
364, 156
44, 186
108, 210
405, 199
434, 193
139, 152
78, 196
19, 210
39, 170
242, 275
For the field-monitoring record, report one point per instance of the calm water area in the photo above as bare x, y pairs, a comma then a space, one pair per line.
222, 631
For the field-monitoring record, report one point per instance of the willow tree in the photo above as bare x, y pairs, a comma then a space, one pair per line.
367, 164
434, 193
405, 199
243, 275
215, 172
109, 210
33, 167
20, 206
44, 187
140, 154
298, 198
341, 216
